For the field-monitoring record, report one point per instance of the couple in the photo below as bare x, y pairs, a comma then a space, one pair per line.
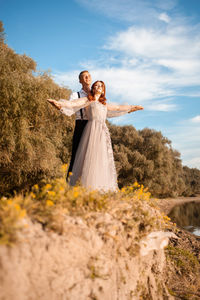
92, 160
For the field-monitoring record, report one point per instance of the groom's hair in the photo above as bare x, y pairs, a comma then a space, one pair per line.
82, 73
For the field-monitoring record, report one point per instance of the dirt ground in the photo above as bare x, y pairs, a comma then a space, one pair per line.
183, 257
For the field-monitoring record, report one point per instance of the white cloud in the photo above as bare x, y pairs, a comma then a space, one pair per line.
161, 106
186, 140
147, 63
169, 46
164, 17
195, 119
190, 65
68, 79
166, 5
193, 162
170, 54
130, 10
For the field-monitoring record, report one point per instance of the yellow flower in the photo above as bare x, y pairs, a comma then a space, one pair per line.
48, 186
22, 213
51, 193
64, 167
49, 203
75, 194
17, 207
36, 186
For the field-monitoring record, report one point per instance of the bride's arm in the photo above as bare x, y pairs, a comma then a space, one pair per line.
70, 107
119, 110
69, 104
127, 108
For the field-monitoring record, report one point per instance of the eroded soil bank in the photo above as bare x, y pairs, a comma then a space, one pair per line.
183, 256
96, 257
99, 257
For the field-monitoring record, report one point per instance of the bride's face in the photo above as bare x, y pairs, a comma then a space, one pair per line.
98, 88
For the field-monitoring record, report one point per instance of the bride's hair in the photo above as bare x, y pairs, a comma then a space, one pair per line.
102, 98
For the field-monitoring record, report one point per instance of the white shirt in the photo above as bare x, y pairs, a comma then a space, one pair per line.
74, 96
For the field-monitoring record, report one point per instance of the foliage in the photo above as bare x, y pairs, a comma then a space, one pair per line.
184, 260
192, 180
1, 32
147, 157
11, 212
35, 138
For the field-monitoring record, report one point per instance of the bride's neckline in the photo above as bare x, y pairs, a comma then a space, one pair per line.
97, 101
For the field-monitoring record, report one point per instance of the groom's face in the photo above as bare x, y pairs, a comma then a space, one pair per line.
86, 79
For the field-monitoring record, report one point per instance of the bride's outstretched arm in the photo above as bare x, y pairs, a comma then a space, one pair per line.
69, 107
69, 104
135, 108
119, 110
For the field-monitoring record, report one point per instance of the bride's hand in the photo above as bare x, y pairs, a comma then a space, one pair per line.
55, 103
135, 107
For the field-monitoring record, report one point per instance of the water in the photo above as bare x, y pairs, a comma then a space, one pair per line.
187, 216
193, 229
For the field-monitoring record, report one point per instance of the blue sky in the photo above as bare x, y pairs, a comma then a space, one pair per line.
146, 51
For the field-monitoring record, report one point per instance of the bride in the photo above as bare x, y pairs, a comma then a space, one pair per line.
94, 162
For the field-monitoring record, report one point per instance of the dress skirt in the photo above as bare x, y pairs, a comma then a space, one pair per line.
94, 162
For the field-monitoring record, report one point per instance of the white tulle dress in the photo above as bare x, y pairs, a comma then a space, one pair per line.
94, 162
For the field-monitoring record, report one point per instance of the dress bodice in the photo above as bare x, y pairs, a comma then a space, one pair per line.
96, 111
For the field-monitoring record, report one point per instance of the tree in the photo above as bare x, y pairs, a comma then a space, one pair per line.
146, 156
35, 138
2, 35
192, 179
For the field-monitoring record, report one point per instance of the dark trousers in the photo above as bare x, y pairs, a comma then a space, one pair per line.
78, 131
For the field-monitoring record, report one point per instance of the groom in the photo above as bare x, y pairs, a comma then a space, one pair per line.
81, 119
